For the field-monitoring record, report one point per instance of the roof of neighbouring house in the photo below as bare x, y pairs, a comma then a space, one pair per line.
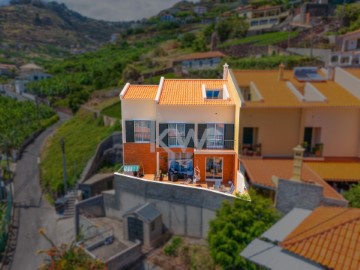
203, 55
141, 92
337, 171
146, 212
261, 172
353, 71
30, 66
7, 66
329, 236
276, 93
189, 92
352, 33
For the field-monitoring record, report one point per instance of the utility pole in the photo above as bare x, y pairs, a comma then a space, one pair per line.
62, 144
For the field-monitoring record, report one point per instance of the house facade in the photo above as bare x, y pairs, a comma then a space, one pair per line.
348, 50
29, 73
198, 61
263, 17
184, 127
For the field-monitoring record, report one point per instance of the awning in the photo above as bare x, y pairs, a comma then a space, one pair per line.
131, 168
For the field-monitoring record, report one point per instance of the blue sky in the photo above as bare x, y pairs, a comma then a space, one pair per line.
117, 10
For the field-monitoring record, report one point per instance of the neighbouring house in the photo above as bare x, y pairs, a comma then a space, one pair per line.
7, 69
264, 17
185, 128
325, 238
199, 10
347, 52
168, 18
281, 109
29, 73
198, 61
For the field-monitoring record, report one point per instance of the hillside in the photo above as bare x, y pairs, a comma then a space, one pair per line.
50, 29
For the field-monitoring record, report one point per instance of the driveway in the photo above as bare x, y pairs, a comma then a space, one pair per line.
35, 211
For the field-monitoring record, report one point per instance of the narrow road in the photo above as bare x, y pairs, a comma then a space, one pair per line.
35, 211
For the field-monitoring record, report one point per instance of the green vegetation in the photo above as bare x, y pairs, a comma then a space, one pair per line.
270, 62
20, 119
68, 257
349, 14
235, 226
353, 196
187, 254
113, 110
76, 77
82, 134
264, 39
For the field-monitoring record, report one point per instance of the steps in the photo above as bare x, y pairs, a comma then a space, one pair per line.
69, 211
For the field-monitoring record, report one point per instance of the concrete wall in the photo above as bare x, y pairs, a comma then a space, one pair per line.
278, 129
340, 128
185, 210
125, 258
95, 162
322, 54
291, 194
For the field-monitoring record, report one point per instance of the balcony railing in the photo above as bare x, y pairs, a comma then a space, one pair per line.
226, 144
315, 151
251, 150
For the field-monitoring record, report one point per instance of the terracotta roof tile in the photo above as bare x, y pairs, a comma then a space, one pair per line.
203, 55
261, 172
189, 92
141, 92
332, 230
276, 93
337, 171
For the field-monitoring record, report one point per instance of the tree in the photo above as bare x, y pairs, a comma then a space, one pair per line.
349, 14
131, 74
199, 44
187, 40
235, 226
353, 196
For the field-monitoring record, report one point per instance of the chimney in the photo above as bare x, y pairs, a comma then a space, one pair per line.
298, 161
281, 71
226, 71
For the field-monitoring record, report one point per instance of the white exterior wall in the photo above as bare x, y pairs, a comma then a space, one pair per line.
195, 114
348, 81
339, 131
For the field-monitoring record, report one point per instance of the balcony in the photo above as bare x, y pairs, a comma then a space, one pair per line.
315, 151
219, 145
251, 150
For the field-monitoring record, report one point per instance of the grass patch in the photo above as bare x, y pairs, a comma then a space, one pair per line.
113, 110
271, 62
261, 40
82, 134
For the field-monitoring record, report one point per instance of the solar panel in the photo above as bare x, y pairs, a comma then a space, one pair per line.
308, 74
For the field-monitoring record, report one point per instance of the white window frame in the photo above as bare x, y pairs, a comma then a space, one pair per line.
143, 138
179, 137
215, 139
213, 161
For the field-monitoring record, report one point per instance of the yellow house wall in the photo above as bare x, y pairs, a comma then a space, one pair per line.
278, 129
340, 128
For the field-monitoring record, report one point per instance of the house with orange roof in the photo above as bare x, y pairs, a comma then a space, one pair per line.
198, 61
284, 108
325, 238
186, 128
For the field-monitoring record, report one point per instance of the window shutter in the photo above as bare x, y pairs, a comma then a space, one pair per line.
201, 133
129, 125
162, 128
152, 131
188, 128
229, 136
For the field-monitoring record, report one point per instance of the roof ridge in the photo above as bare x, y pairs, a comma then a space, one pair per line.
175, 79
292, 242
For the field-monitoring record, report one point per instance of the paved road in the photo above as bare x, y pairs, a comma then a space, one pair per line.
35, 211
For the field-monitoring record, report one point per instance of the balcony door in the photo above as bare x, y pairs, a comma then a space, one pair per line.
214, 168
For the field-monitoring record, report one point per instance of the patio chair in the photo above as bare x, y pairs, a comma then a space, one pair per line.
232, 189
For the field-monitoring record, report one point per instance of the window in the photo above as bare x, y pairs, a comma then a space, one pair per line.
200, 63
215, 136
345, 60
334, 59
214, 94
176, 133
250, 136
214, 168
142, 131
358, 44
